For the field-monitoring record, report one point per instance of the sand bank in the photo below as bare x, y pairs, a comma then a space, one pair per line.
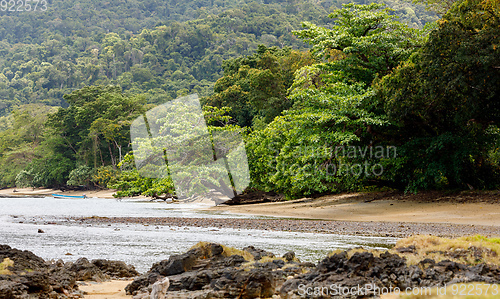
107, 193
361, 207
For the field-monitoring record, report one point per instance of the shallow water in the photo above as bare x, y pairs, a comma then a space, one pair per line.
142, 245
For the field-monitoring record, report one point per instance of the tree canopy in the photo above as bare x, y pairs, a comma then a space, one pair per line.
359, 99
446, 101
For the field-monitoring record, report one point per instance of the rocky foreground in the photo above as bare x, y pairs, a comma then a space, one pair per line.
25, 275
211, 270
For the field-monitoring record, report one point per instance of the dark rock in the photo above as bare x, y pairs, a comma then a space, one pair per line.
116, 269
273, 265
177, 264
11, 289
62, 280
84, 270
23, 260
245, 284
387, 270
307, 265
31, 277
234, 261
215, 250
289, 256
37, 282
257, 252
201, 279
138, 283
206, 273
257, 284
409, 249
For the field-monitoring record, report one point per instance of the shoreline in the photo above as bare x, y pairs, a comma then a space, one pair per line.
43, 192
368, 214
430, 208
359, 228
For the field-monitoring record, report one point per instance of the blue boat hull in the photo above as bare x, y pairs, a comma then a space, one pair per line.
68, 196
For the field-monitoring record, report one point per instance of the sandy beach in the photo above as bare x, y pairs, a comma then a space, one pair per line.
463, 208
107, 193
457, 209
107, 290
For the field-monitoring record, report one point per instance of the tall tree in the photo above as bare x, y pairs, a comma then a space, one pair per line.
256, 86
297, 153
446, 99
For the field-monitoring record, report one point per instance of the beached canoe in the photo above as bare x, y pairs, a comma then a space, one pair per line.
68, 196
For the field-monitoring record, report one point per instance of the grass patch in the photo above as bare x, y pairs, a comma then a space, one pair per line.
468, 250
7, 262
228, 251
351, 252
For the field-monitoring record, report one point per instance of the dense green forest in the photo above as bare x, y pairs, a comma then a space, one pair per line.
159, 48
330, 97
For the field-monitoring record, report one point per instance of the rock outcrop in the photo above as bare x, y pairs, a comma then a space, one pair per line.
370, 276
209, 271
25, 275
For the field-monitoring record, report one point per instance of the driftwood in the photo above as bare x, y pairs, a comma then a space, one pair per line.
165, 197
254, 197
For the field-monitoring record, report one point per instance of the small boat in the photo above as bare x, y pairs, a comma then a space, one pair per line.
68, 196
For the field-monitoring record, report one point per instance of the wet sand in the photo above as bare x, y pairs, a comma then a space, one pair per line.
361, 228
110, 289
484, 211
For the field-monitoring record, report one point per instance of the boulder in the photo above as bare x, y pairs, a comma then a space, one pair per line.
115, 269
84, 270
177, 264
257, 252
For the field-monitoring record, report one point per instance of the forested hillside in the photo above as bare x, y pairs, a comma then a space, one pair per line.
159, 48
328, 99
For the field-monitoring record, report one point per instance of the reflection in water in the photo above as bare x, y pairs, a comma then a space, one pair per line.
142, 245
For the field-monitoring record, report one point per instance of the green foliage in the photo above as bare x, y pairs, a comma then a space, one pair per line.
298, 153
96, 124
159, 53
50, 171
439, 105
438, 6
42, 145
24, 179
81, 176
364, 42
255, 87
180, 146
159, 48
445, 100
130, 183
24, 132
104, 176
